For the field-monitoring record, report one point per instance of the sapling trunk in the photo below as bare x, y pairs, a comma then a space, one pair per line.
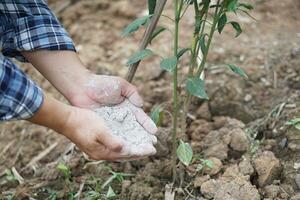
147, 36
177, 11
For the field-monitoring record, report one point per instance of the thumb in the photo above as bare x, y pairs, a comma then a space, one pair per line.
111, 141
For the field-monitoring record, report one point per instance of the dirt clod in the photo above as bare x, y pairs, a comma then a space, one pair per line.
237, 189
246, 167
200, 179
268, 168
216, 166
239, 140
271, 191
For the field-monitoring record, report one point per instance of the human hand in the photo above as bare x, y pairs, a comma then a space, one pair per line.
89, 132
101, 90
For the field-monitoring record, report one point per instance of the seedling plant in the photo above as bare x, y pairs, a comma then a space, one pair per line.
210, 17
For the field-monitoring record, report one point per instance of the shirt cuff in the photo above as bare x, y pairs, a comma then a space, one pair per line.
36, 32
20, 97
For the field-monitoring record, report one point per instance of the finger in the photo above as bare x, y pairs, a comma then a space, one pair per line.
146, 149
111, 141
132, 153
145, 121
129, 91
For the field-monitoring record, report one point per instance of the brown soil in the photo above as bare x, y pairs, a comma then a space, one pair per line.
241, 129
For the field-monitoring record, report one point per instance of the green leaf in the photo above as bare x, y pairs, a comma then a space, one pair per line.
189, 2
181, 52
9, 175
246, 5
71, 196
202, 44
169, 64
156, 32
232, 6
184, 153
199, 167
237, 27
208, 163
151, 6
52, 196
293, 121
138, 56
196, 87
297, 126
237, 70
222, 22
64, 169
156, 115
110, 193
135, 25
108, 181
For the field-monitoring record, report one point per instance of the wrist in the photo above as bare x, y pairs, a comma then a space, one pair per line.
53, 114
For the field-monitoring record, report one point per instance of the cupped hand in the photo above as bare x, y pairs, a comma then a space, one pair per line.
89, 132
101, 90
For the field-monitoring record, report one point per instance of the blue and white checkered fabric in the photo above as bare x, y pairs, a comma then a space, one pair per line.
25, 25
20, 98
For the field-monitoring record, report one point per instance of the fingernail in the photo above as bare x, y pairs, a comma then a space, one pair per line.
150, 126
136, 99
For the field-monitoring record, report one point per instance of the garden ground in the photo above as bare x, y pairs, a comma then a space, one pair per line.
241, 129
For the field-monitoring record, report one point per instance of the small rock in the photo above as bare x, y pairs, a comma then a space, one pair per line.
246, 167
237, 189
283, 143
200, 129
209, 188
293, 146
232, 172
297, 165
228, 122
268, 168
248, 97
219, 151
272, 191
297, 180
200, 179
203, 111
216, 167
239, 140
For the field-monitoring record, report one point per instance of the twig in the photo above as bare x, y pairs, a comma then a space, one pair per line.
16, 174
147, 36
78, 194
40, 156
6, 148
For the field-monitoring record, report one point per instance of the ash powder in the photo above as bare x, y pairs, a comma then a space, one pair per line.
122, 123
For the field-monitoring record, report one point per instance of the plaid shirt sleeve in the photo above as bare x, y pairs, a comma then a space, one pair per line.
20, 97
30, 25
25, 25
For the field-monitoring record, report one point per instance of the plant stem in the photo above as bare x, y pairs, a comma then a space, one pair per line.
195, 51
177, 10
210, 36
147, 36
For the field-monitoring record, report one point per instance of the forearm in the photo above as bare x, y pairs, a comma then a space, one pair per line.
62, 68
52, 114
